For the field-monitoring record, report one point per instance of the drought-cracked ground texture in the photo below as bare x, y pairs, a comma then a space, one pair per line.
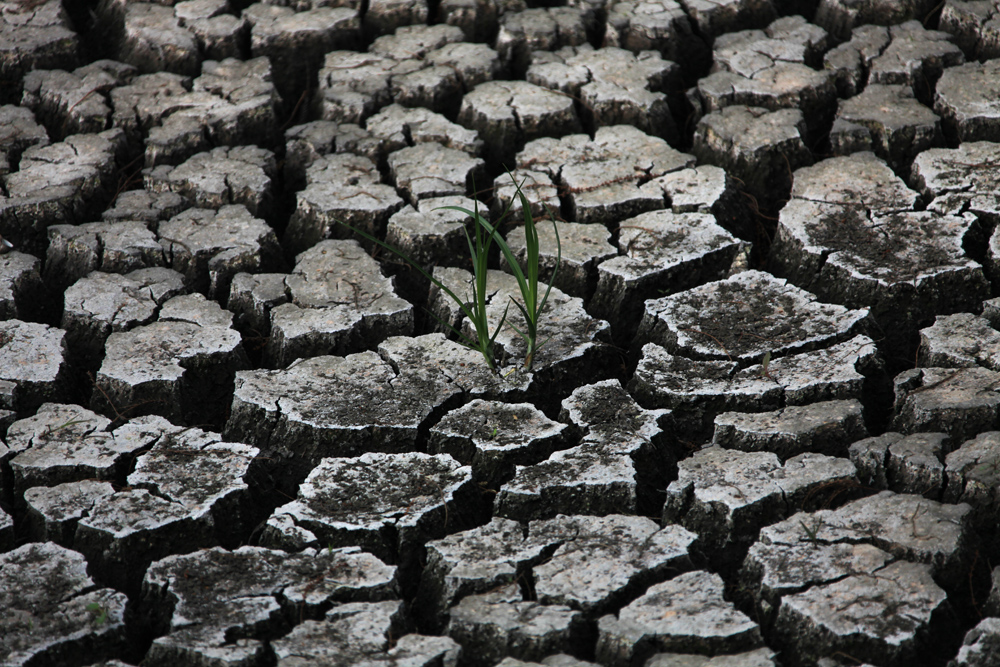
764, 429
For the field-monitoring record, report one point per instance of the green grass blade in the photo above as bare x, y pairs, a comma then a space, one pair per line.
555, 272
531, 254
502, 320
524, 312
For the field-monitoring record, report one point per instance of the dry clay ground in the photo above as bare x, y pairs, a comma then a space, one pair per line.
764, 428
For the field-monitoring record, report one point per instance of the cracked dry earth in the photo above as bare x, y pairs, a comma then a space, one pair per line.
765, 430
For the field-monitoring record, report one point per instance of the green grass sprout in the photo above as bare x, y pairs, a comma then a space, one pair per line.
480, 241
527, 280
99, 613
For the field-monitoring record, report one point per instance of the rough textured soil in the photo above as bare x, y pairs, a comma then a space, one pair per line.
764, 428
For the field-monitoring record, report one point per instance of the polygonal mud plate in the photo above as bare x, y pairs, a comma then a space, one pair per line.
757, 146
295, 41
221, 176
601, 177
338, 302
233, 102
618, 467
884, 617
708, 189
745, 317
961, 402
590, 564
915, 56
398, 126
768, 69
849, 61
362, 633
859, 180
146, 207
840, 16
572, 344
960, 340
432, 234
493, 437
522, 31
53, 611
905, 527
25, 132
210, 247
473, 562
898, 125
772, 570
340, 188
457, 364
715, 19
33, 365
687, 613
63, 443
657, 25
580, 249
616, 87
662, 253
21, 289
53, 512
101, 303
965, 98
980, 645
306, 143
347, 634
538, 188
596, 478
180, 366
201, 600
904, 464
187, 491
961, 179
726, 496
497, 624
606, 412
866, 260
762, 657
417, 66
603, 561
334, 406
851, 236
59, 183
388, 504
430, 170
972, 475
699, 390
825, 427
506, 114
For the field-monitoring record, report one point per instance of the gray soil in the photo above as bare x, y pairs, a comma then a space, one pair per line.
763, 429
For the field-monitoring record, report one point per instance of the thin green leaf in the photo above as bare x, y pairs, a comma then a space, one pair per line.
555, 271
539, 346
519, 333
502, 320
524, 313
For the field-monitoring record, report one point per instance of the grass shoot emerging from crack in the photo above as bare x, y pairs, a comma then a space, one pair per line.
527, 280
482, 238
